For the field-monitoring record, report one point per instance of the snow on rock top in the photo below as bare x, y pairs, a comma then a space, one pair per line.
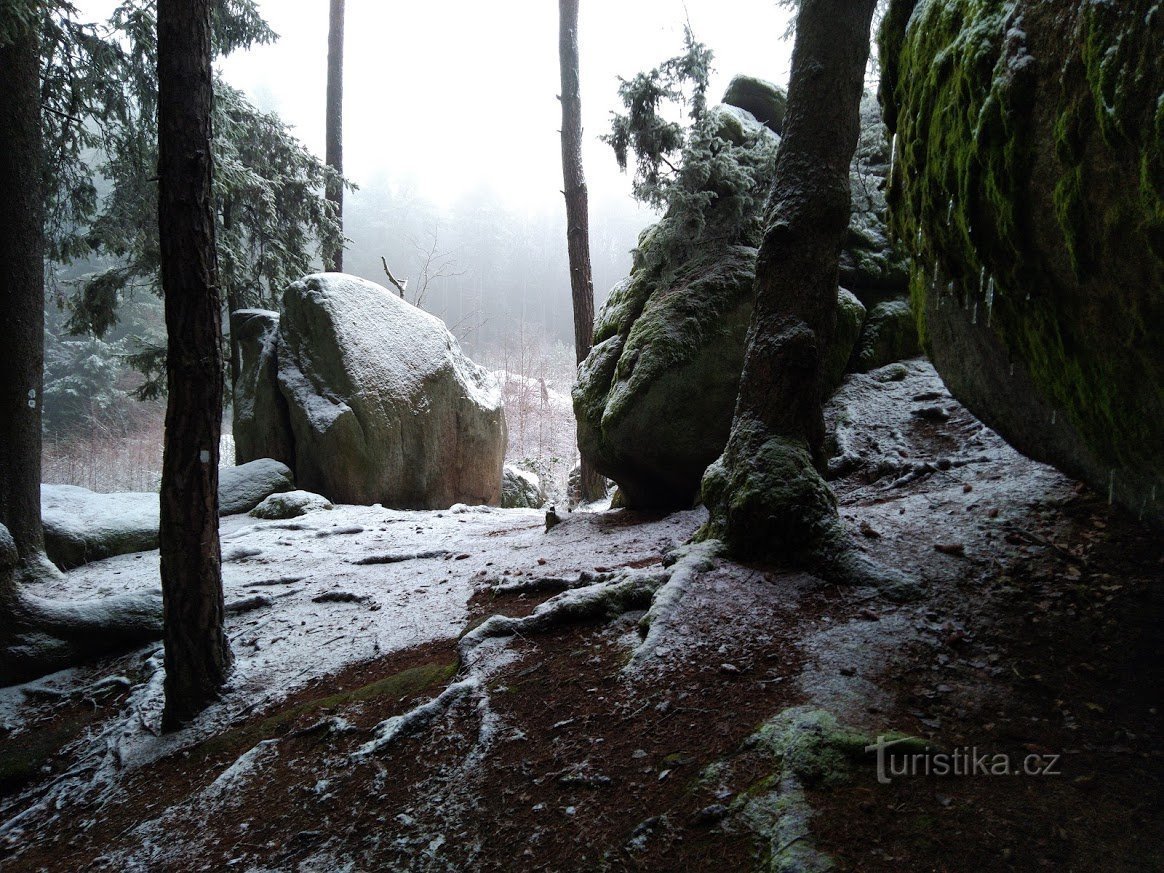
383, 405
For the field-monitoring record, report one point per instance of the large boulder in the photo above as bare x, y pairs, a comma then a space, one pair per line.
383, 407
889, 334
290, 504
655, 397
261, 423
521, 489
1029, 181
81, 526
766, 102
242, 488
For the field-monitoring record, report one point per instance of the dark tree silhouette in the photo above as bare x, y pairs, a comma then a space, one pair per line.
197, 651
22, 292
334, 260
577, 209
766, 497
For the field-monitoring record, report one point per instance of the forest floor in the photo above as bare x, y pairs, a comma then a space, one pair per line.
732, 738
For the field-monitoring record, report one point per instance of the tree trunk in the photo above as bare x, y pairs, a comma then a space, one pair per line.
334, 260
22, 292
766, 498
577, 209
197, 651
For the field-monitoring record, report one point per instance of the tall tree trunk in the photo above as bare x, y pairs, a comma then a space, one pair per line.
334, 260
197, 651
765, 495
22, 293
577, 209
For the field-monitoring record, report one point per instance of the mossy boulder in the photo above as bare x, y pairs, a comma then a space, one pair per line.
1029, 183
654, 399
766, 102
376, 399
889, 334
521, 489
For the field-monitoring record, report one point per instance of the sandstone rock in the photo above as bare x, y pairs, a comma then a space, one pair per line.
521, 489
82, 526
889, 334
262, 423
242, 488
1028, 183
290, 504
384, 406
766, 102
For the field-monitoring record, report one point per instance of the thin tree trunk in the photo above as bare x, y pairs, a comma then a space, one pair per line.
197, 651
22, 296
765, 497
577, 209
334, 260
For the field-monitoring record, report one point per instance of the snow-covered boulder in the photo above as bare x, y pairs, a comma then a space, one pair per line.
82, 526
766, 102
291, 504
521, 489
242, 488
262, 428
383, 405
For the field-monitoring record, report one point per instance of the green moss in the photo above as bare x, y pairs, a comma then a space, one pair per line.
959, 89
407, 683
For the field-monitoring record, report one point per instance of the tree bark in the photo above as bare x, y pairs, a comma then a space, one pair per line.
577, 210
765, 496
334, 260
198, 654
22, 292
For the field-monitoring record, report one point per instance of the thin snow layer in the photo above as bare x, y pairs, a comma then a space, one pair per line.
326, 590
390, 347
84, 514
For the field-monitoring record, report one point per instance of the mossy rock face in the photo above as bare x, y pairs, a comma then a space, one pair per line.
768, 103
889, 334
655, 398
1029, 182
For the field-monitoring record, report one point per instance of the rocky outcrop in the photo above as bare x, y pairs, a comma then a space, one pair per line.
1029, 182
81, 526
765, 102
381, 404
290, 504
655, 397
521, 489
262, 423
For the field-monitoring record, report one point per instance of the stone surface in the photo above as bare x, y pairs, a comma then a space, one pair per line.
242, 488
1030, 186
889, 334
521, 489
82, 526
766, 102
384, 406
290, 504
261, 423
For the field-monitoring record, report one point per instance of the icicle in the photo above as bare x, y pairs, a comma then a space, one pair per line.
950, 213
892, 157
1054, 416
1111, 489
982, 281
974, 317
989, 300
1012, 369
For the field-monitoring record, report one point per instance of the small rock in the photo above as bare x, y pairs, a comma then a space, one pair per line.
957, 550
932, 413
867, 530
711, 814
730, 669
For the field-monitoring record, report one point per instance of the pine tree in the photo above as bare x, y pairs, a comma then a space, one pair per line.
198, 654
334, 256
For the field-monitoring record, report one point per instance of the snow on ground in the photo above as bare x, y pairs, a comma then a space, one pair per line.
309, 596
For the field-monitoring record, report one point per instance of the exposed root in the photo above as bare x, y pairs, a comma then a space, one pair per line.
693, 560
608, 600
418, 718
543, 584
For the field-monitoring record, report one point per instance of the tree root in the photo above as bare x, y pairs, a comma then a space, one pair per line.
418, 718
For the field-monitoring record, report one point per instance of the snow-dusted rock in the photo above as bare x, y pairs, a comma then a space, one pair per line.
521, 489
290, 504
242, 488
261, 425
384, 406
82, 526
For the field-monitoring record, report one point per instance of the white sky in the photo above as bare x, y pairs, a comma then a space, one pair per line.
461, 93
